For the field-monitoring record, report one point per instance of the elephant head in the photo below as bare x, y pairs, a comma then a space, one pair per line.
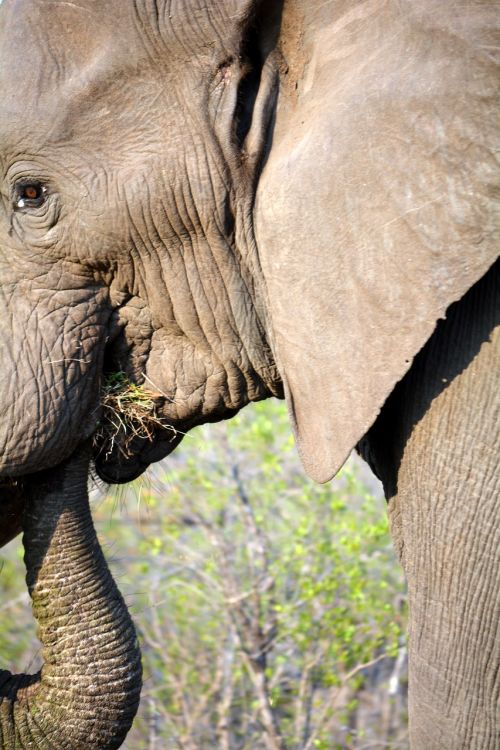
126, 241
230, 201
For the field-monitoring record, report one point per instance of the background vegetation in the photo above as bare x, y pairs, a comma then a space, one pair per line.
270, 610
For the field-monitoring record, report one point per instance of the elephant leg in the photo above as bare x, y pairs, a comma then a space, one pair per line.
436, 446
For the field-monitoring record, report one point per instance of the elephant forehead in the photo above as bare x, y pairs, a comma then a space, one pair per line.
56, 56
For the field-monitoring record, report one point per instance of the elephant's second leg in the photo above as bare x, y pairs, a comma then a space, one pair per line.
444, 515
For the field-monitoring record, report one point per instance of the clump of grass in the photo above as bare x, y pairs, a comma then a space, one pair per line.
129, 411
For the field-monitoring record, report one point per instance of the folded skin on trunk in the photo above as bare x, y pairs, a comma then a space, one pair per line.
87, 692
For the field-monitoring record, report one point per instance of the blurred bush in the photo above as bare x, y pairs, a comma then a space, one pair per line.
271, 610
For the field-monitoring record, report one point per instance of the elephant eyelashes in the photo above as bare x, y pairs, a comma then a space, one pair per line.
30, 194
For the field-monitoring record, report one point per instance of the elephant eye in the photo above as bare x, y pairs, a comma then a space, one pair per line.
30, 194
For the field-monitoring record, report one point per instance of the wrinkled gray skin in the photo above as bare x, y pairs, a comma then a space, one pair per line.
236, 200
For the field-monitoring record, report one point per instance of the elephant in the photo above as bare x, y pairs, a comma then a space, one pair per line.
232, 201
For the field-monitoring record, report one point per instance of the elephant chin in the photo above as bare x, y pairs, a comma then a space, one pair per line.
112, 466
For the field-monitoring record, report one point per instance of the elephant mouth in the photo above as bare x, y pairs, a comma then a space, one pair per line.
11, 509
132, 433
113, 466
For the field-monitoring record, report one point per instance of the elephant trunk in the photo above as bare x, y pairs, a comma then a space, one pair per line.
87, 692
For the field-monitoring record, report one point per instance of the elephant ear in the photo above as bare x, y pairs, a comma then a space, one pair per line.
376, 205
